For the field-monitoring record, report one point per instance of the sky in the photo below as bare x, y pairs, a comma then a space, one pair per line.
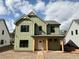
62, 11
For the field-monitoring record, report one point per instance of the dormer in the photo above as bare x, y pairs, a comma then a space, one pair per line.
32, 14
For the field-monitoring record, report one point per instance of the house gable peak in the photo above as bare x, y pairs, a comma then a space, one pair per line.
31, 14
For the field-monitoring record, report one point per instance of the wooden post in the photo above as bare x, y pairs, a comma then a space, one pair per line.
62, 43
47, 45
33, 45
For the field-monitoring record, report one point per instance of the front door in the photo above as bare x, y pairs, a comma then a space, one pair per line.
53, 44
40, 44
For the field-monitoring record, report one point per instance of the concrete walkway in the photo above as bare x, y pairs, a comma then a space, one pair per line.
40, 55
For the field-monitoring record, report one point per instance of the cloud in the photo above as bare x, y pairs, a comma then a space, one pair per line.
10, 25
9, 5
17, 15
17, 0
3, 10
63, 12
9, 2
39, 6
56, 11
24, 7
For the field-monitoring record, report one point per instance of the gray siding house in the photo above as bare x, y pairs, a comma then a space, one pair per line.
4, 34
72, 36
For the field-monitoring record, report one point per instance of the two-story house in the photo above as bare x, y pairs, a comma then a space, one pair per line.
33, 34
72, 36
4, 34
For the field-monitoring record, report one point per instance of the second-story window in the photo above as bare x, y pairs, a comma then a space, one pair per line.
24, 28
52, 29
2, 32
76, 31
40, 28
71, 32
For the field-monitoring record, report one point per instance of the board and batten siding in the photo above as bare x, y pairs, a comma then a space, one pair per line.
56, 28
24, 35
40, 22
6, 36
27, 35
74, 38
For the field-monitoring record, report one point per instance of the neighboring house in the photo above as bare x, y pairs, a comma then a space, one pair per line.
33, 34
12, 36
4, 34
72, 36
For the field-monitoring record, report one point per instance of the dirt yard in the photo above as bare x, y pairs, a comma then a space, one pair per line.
6, 53
10, 54
59, 55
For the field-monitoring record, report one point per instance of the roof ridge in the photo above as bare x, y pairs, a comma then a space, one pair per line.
5, 25
52, 22
77, 21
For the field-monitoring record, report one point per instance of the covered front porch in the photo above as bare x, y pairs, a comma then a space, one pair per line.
46, 43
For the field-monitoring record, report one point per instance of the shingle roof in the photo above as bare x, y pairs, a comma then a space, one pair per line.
22, 16
52, 22
5, 25
77, 21
49, 36
27, 16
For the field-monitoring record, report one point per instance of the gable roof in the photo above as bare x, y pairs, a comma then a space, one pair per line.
21, 18
27, 17
5, 25
52, 22
77, 21
32, 13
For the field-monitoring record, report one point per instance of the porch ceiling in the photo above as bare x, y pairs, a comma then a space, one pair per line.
49, 36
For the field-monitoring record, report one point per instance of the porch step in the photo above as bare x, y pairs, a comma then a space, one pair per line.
40, 55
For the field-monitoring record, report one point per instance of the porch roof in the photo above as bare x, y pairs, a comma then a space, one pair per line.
48, 36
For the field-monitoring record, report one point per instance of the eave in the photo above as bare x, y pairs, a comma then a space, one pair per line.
48, 36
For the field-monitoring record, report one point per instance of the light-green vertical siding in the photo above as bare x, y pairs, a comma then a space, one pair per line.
27, 35
24, 35
40, 22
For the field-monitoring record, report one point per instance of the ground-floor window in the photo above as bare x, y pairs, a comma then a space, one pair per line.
1, 42
23, 43
55, 40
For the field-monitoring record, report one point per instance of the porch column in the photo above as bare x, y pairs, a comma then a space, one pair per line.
46, 44
62, 44
33, 45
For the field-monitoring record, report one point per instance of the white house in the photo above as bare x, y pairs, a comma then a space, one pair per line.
72, 36
4, 34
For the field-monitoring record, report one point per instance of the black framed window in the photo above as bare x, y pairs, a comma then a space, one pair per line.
2, 42
24, 28
52, 29
71, 32
50, 40
40, 28
55, 40
24, 43
2, 32
76, 31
